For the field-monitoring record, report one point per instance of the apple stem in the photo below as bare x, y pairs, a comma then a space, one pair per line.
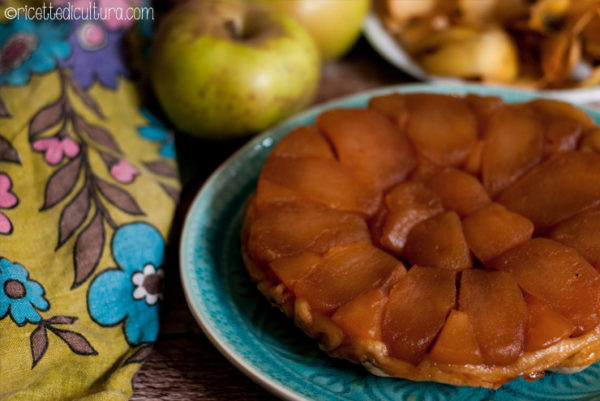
233, 29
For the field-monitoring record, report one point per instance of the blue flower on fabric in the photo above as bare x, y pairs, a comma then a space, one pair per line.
19, 296
28, 47
129, 294
157, 132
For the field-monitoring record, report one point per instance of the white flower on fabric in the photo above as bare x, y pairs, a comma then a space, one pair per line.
148, 284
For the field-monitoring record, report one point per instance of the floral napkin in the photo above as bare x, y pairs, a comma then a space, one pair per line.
88, 188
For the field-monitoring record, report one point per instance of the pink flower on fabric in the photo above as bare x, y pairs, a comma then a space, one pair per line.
54, 149
8, 200
123, 172
91, 36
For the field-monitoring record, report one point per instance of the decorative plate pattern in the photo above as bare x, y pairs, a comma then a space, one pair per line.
262, 342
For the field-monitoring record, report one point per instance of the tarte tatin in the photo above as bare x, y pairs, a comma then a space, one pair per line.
435, 237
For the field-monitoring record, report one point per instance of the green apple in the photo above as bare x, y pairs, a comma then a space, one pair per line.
222, 69
334, 24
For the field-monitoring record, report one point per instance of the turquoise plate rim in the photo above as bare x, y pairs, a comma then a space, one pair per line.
197, 231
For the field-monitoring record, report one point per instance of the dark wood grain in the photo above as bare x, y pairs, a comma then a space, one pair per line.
184, 365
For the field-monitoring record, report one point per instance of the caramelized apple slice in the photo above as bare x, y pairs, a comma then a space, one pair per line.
497, 312
425, 170
305, 141
416, 311
552, 107
591, 141
561, 135
581, 232
472, 164
494, 230
371, 145
393, 106
439, 242
456, 343
513, 145
396, 275
545, 326
315, 228
483, 107
442, 128
361, 317
563, 124
459, 191
323, 181
444, 137
344, 273
292, 268
560, 187
557, 275
406, 205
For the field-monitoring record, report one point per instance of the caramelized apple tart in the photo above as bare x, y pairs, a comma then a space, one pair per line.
434, 237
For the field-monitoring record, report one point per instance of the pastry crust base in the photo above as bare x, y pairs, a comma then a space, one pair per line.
570, 355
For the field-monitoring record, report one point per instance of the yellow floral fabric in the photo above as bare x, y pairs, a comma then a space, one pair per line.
88, 188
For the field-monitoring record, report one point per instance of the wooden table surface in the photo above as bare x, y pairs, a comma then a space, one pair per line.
184, 365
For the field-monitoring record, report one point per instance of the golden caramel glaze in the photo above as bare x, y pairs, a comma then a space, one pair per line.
472, 267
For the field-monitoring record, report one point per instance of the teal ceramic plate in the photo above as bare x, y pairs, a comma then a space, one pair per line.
262, 342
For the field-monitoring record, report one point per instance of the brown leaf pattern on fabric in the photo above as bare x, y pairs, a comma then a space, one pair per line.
46, 118
88, 250
140, 355
163, 168
76, 342
3, 110
39, 343
97, 134
119, 197
61, 183
73, 215
62, 320
7, 152
108, 159
84, 96
171, 191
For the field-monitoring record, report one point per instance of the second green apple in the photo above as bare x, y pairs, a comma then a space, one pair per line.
334, 24
222, 69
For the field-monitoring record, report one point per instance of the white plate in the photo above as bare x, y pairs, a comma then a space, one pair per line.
385, 44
